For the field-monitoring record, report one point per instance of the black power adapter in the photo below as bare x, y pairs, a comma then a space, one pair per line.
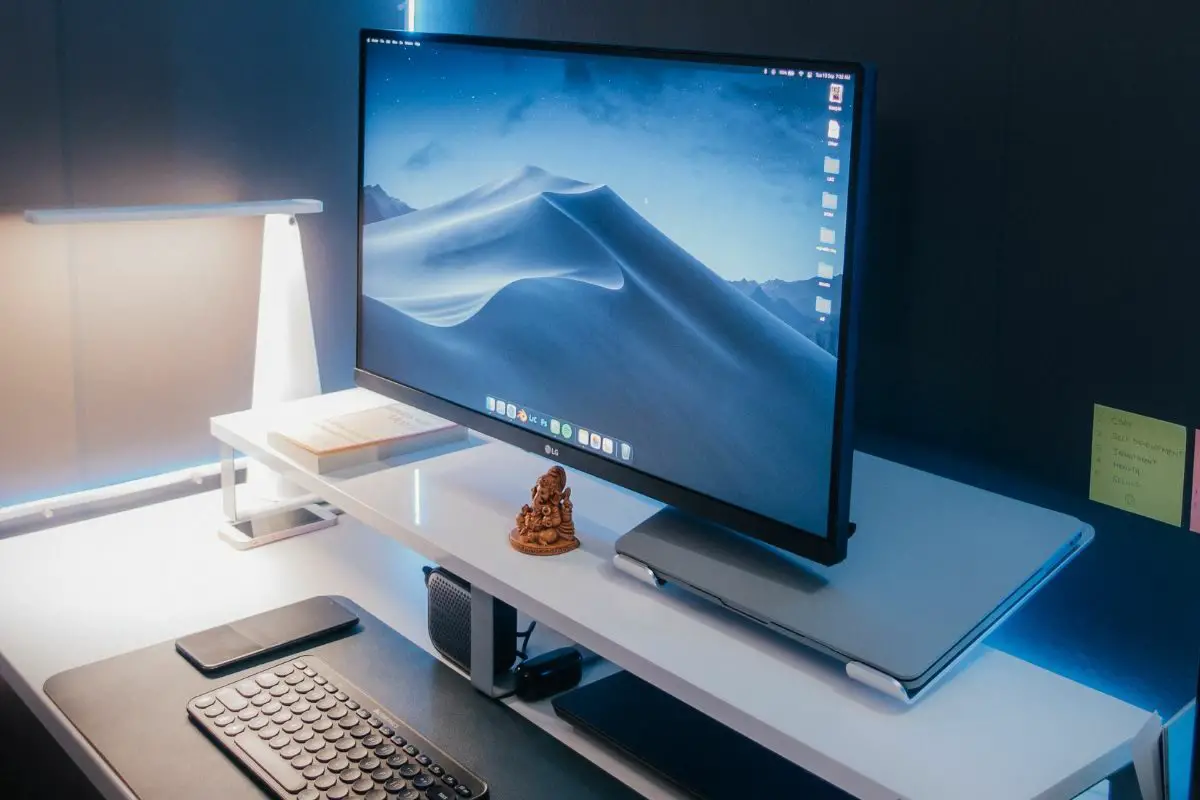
548, 674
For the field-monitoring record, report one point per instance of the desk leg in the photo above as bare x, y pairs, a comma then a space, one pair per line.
228, 483
483, 646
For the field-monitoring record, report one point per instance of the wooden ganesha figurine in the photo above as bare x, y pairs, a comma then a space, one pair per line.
545, 526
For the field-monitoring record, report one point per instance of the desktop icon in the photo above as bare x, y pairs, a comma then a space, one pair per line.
828, 236
835, 129
491, 404
583, 437
607, 446
835, 93
626, 451
567, 430
772, 72
824, 305
511, 411
825, 271
829, 201
595, 441
833, 166
522, 415
555, 427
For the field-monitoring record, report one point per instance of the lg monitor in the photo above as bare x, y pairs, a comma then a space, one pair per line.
639, 263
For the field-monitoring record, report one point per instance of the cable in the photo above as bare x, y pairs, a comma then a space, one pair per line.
524, 637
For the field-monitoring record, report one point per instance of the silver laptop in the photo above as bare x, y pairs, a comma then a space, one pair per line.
933, 566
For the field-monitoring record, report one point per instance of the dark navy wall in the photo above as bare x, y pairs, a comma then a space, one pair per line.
1033, 251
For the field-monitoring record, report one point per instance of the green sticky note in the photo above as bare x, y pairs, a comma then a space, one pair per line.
1138, 464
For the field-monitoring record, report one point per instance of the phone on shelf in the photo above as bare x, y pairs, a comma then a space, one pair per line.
227, 645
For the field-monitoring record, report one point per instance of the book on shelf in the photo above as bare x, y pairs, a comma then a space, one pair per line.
362, 437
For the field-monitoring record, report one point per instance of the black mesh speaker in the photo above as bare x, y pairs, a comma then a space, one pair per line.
450, 621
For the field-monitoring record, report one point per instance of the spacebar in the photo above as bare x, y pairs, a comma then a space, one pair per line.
271, 762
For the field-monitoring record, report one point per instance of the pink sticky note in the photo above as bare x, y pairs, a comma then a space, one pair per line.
1196, 484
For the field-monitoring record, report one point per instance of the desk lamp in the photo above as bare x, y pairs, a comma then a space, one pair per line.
285, 355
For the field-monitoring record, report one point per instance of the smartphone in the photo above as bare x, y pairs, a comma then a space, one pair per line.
226, 645
291, 522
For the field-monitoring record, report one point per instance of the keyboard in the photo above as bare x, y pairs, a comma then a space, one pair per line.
307, 733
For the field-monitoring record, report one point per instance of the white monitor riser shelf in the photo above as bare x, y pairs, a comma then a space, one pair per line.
1038, 734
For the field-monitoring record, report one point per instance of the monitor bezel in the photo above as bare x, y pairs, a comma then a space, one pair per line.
828, 547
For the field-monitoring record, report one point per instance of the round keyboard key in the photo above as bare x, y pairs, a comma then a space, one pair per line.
348, 722
290, 699
369, 764
215, 710
283, 670
450, 780
353, 706
409, 770
315, 745
279, 691
266, 680
313, 771
357, 754
291, 751
339, 695
329, 687
359, 731
260, 700
298, 664
399, 741
310, 716
372, 741
293, 726
422, 781
411, 749
345, 745
302, 736
305, 686
282, 717
375, 794
315, 696
338, 793
339, 764
398, 760
322, 725
247, 689
309, 794
462, 791
326, 755
257, 724
302, 761
423, 760
204, 701
387, 732
333, 734
294, 678
324, 782
409, 794
234, 729
437, 770
395, 785
301, 707
374, 721
319, 680
351, 775
363, 714
330, 706
281, 741
272, 707
439, 793
363, 785
247, 714
381, 774
223, 720
384, 750
269, 732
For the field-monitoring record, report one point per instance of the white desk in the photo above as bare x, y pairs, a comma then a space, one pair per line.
77, 594
1001, 728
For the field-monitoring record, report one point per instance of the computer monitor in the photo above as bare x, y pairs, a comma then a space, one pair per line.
639, 263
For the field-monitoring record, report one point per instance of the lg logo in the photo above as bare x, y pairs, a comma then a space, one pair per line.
551, 451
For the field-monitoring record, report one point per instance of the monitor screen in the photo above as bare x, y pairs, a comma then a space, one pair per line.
640, 257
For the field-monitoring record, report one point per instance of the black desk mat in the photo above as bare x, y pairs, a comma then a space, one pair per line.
131, 708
